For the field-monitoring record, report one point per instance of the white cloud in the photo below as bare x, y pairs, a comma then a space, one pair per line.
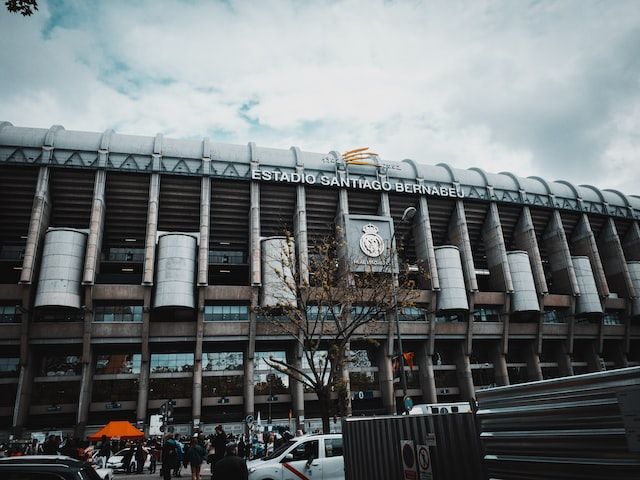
536, 89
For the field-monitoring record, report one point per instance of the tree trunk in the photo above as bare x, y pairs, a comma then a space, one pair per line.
324, 399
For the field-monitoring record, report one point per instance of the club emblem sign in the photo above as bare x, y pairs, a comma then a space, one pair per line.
371, 244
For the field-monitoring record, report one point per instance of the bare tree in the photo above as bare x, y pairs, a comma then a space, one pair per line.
24, 7
324, 315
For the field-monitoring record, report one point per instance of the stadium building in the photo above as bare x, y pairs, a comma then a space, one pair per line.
131, 266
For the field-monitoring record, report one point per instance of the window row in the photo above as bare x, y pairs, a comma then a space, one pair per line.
117, 313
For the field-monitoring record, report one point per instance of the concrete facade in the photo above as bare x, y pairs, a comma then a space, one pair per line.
489, 316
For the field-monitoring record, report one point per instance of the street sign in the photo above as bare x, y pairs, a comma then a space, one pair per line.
424, 462
408, 454
249, 419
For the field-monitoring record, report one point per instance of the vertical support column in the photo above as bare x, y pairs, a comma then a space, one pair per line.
86, 384
465, 378
300, 230
205, 219
385, 370
565, 369
613, 260
631, 243
424, 242
500, 366
524, 236
496, 251
196, 401
297, 387
534, 371
583, 242
145, 360
564, 276
96, 229
152, 229
38, 224
595, 363
249, 394
427, 377
459, 235
254, 224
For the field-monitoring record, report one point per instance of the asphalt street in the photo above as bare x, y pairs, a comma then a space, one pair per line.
205, 472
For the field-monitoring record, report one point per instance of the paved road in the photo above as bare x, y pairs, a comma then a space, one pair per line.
205, 472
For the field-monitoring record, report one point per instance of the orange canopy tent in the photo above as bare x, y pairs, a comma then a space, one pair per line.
122, 430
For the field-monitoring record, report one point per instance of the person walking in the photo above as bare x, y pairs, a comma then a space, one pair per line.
194, 456
141, 457
169, 457
231, 467
219, 444
154, 451
180, 452
104, 452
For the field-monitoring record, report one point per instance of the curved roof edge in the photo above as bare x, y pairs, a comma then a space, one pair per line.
189, 155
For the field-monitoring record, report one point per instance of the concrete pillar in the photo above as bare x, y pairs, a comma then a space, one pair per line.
249, 402
459, 236
524, 238
595, 363
297, 387
254, 224
84, 402
346, 382
534, 371
427, 377
613, 260
424, 243
196, 402
203, 245
465, 379
565, 369
496, 251
38, 224
500, 366
385, 372
564, 276
152, 229
23, 393
631, 243
300, 232
96, 229
145, 361
583, 242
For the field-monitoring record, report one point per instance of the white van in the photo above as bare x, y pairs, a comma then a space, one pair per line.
311, 457
440, 408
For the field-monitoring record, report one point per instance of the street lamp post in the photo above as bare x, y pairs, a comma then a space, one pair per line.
407, 215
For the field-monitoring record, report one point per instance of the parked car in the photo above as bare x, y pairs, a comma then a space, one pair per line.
118, 461
311, 456
43, 466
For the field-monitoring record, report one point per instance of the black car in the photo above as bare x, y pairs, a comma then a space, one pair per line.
45, 467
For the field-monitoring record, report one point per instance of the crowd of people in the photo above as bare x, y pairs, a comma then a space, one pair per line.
225, 453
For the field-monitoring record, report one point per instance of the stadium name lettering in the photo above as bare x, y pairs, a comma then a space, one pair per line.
333, 181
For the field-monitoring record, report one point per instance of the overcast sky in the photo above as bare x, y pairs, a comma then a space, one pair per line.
534, 87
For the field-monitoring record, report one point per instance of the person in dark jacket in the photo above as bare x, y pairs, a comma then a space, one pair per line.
141, 457
194, 456
104, 452
231, 467
219, 444
169, 457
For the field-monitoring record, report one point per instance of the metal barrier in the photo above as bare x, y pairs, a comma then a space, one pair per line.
584, 426
372, 446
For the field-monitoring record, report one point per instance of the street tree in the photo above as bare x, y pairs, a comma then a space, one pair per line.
24, 7
323, 315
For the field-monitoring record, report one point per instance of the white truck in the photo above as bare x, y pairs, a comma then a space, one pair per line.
310, 457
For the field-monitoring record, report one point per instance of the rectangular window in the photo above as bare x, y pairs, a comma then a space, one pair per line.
114, 390
223, 361
170, 388
60, 365
171, 362
227, 257
487, 314
224, 386
117, 313
554, 315
412, 314
10, 314
118, 363
333, 447
226, 313
267, 380
55, 393
449, 317
612, 318
9, 367
367, 312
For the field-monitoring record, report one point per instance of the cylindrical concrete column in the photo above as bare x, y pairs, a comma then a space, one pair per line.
524, 297
500, 366
61, 270
385, 371
278, 272
634, 273
453, 294
534, 371
465, 378
175, 272
427, 377
249, 402
297, 389
589, 301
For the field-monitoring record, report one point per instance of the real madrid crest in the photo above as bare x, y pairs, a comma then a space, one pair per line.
371, 244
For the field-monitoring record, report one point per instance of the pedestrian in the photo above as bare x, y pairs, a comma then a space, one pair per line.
180, 451
169, 457
231, 467
141, 457
155, 455
195, 456
242, 447
104, 451
219, 444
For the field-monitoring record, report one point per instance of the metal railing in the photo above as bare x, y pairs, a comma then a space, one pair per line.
572, 427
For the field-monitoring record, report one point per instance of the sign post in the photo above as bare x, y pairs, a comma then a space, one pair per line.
424, 462
408, 454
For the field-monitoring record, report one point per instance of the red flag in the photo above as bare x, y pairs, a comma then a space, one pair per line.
408, 358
